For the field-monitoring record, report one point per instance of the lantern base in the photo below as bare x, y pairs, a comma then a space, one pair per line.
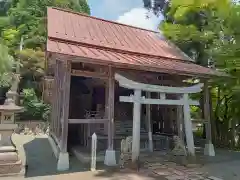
110, 158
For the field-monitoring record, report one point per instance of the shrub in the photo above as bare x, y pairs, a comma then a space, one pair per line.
35, 109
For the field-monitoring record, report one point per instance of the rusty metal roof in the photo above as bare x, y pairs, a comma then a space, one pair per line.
108, 42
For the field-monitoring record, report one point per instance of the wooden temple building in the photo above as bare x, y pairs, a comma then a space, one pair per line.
117, 81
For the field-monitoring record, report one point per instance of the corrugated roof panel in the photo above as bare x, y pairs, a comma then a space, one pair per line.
108, 42
125, 59
79, 28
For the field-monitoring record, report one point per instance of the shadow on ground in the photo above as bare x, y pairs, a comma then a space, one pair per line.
40, 160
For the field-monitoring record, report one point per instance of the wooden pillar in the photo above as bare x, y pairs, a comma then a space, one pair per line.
110, 156
207, 113
106, 106
136, 125
149, 123
57, 100
54, 103
188, 126
209, 148
64, 80
65, 104
111, 89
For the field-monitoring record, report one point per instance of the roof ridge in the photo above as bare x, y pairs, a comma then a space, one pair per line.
117, 50
100, 19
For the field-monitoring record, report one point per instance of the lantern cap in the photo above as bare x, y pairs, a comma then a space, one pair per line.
10, 106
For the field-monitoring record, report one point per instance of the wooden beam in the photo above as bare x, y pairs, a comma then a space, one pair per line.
58, 99
143, 100
129, 84
87, 121
106, 99
53, 105
111, 86
154, 78
89, 74
125, 66
106, 107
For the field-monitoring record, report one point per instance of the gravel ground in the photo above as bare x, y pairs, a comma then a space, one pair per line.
42, 164
224, 165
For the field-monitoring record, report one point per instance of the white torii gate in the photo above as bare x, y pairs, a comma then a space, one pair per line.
137, 100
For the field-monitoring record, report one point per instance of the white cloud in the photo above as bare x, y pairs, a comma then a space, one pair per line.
112, 9
140, 17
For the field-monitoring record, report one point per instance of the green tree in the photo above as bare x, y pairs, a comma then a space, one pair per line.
4, 7
29, 18
32, 70
208, 31
226, 53
6, 64
157, 6
193, 26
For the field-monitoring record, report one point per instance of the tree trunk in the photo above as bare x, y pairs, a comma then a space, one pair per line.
233, 132
215, 119
202, 107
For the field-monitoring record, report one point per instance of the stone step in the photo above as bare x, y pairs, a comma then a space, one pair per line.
8, 157
4, 149
10, 168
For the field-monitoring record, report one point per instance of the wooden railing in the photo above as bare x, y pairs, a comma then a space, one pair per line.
90, 117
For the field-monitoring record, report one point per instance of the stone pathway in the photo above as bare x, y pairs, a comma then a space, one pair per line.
171, 171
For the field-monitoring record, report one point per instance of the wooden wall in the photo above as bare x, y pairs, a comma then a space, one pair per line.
159, 113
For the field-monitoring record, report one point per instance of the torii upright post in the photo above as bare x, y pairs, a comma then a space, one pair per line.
137, 100
136, 125
188, 126
149, 123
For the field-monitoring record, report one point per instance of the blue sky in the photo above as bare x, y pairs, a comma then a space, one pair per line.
124, 11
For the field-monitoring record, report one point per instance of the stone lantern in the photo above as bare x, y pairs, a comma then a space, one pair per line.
10, 162
8, 111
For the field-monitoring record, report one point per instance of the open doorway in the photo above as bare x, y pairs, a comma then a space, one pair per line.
87, 101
